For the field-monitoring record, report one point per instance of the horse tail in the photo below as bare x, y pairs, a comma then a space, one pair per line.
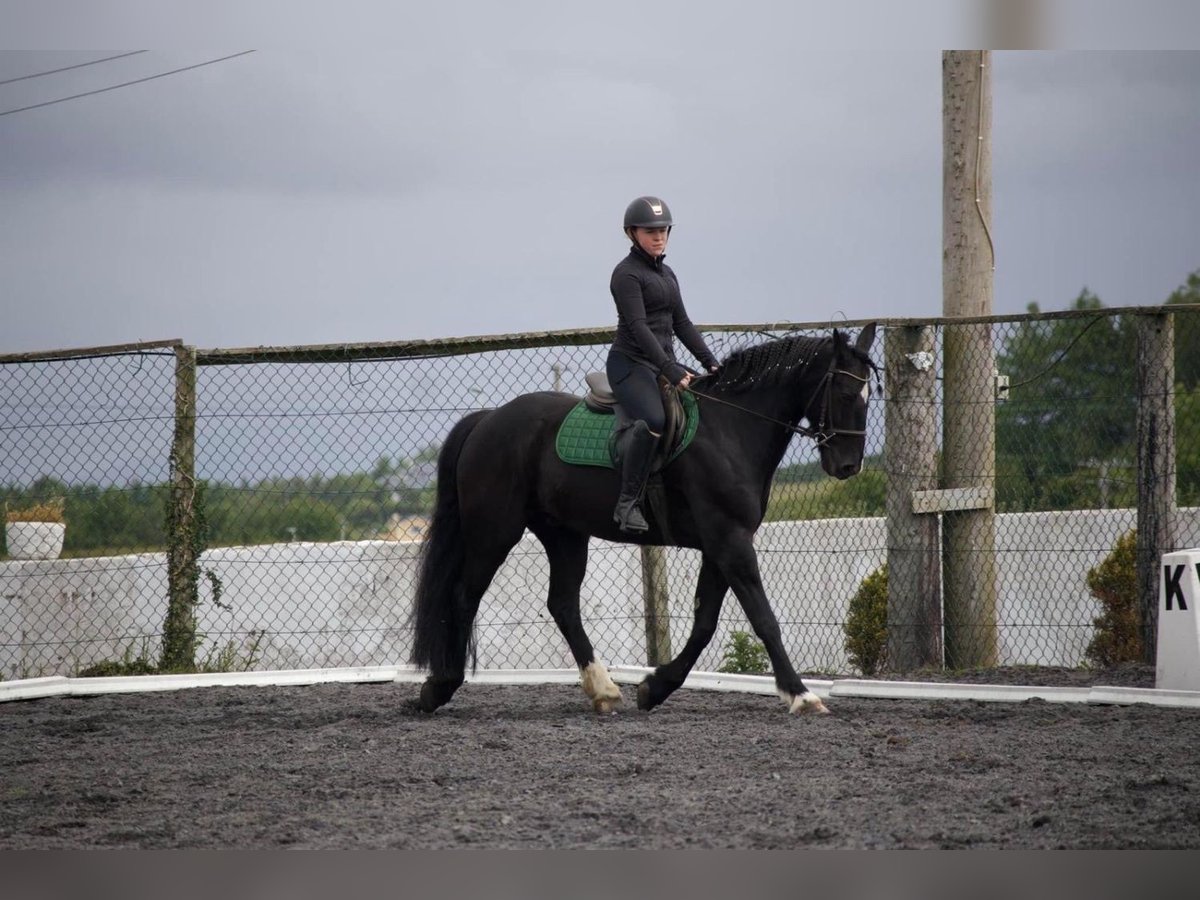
438, 631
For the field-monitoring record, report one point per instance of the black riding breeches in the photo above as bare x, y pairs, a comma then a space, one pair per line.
636, 388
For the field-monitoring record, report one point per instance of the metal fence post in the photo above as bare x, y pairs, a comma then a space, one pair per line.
656, 598
183, 540
1155, 464
914, 613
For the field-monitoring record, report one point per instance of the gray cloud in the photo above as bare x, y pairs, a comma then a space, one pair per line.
470, 179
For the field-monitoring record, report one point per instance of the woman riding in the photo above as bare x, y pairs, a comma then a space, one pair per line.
649, 312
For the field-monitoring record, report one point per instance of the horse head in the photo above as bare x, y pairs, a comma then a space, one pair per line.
838, 412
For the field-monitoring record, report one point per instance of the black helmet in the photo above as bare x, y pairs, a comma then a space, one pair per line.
648, 212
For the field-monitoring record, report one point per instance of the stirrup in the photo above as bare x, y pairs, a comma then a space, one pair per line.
629, 518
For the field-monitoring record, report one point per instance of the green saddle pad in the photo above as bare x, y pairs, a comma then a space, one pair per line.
584, 435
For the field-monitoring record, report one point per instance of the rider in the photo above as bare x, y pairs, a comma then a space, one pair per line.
649, 311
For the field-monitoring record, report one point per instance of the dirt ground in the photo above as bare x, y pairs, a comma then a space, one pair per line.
532, 766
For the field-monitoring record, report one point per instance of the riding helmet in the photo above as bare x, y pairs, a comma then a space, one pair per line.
648, 212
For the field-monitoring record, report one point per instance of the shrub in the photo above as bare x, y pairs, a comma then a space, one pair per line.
128, 664
745, 655
47, 511
111, 667
866, 624
1118, 637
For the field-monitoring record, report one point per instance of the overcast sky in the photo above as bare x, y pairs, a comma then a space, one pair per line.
471, 180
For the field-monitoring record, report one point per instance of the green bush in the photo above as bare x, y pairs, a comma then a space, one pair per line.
231, 657
1118, 637
128, 664
866, 624
111, 667
745, 655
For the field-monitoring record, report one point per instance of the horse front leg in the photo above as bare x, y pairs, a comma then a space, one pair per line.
567, 551
667, 678
739, 563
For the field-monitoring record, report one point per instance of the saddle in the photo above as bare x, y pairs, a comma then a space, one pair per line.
588, 437
588, 434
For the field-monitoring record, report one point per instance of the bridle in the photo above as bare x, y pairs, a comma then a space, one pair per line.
825, 430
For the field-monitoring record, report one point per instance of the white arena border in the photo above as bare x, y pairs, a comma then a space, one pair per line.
60, 686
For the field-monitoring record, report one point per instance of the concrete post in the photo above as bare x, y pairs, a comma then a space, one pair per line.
183, 541
913, 550
1155, 465
656, 600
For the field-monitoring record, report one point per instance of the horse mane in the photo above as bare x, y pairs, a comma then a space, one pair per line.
768, 363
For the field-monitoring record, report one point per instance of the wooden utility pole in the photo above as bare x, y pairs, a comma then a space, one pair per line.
969, 416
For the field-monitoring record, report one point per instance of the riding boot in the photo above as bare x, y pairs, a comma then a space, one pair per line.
637, 446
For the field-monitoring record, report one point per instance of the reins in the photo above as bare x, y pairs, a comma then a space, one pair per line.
797, 429
820, 434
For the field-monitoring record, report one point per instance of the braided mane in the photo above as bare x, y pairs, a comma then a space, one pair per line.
767, 363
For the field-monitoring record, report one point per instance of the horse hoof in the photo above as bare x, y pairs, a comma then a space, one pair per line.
435, 694
605, 706
643, 696
807, 703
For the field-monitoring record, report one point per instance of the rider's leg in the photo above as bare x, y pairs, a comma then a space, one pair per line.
637, 445
636, 389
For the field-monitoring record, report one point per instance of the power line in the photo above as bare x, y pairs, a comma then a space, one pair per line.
9, 112
69, 68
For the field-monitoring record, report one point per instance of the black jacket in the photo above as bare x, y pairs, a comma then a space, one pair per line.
649, 311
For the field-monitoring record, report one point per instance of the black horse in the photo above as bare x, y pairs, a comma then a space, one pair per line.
498, 474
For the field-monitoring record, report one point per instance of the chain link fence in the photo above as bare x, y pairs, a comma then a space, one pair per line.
303, 477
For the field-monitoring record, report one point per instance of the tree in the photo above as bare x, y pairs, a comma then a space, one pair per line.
1069, 425
1187, 446
1187, 332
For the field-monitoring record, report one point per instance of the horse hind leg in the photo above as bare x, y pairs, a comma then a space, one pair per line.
447, 676
567, 552
711, 588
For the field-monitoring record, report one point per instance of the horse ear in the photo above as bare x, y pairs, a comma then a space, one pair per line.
866, 338
839, 338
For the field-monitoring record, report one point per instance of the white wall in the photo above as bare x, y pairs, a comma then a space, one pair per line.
347, 603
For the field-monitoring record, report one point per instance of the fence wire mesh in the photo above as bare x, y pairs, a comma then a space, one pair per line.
94, 432
316, 473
